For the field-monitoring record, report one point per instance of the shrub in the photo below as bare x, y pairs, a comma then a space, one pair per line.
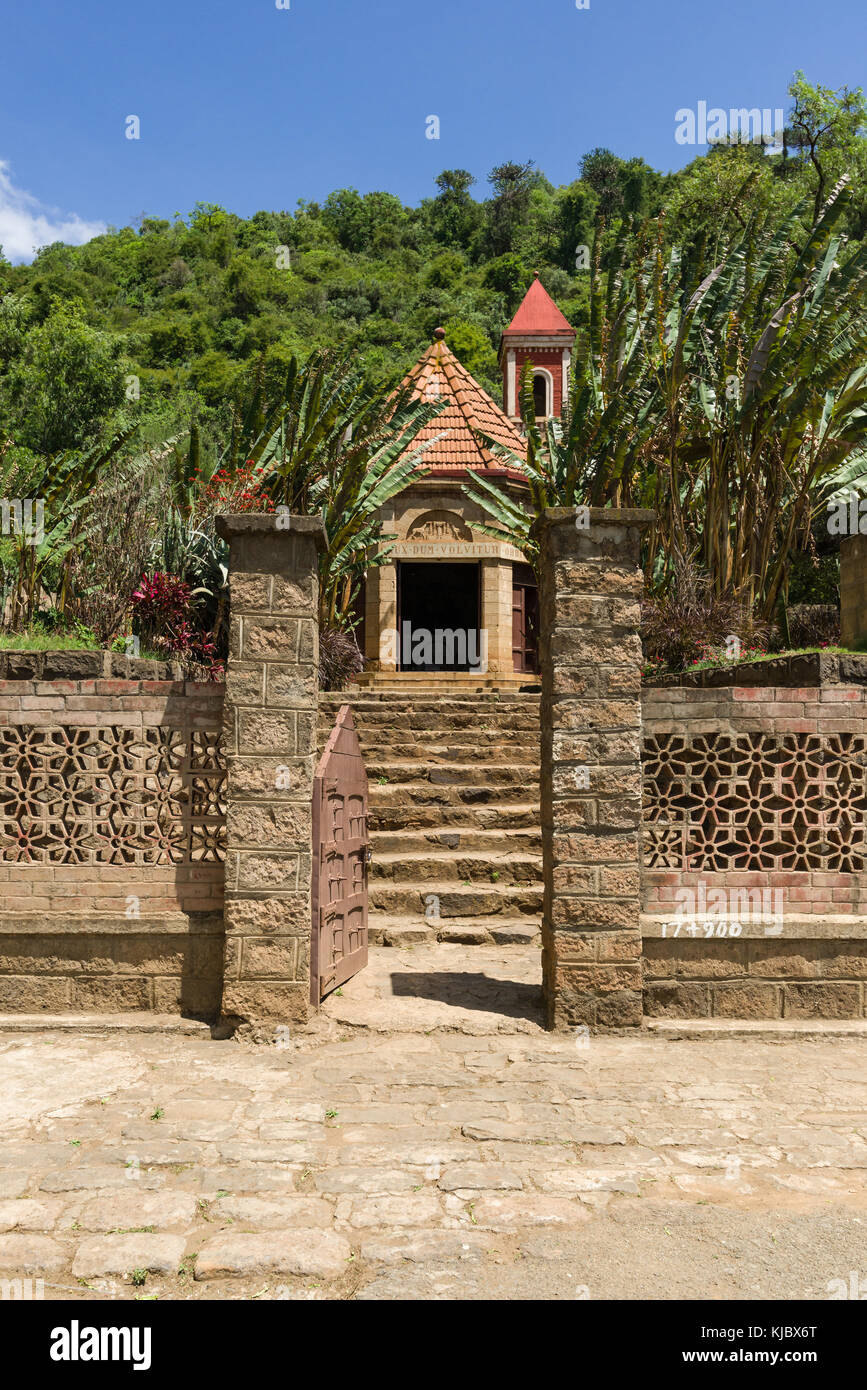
238, 491
339, 658
813, 579
194, 649
162, 606
691, 623
161, 601
814, 625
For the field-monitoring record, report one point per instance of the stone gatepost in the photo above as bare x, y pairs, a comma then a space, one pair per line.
853, 590
589, 594
270, 750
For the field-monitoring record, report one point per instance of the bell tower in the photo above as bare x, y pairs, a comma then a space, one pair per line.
540, 334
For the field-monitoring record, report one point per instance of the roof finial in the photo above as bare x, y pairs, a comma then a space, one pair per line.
535, 274
439, 334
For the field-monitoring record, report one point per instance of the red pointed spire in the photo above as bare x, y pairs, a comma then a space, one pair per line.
537, 313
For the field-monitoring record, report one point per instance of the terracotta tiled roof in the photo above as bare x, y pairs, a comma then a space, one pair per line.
439, 375
537, 313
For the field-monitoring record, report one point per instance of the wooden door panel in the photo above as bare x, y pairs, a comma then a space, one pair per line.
525, 621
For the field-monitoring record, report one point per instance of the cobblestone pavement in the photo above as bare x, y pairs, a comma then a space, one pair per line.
432, 1163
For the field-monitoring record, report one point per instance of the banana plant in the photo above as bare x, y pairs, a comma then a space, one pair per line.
329, 446
595, 454
731, 398
776, 402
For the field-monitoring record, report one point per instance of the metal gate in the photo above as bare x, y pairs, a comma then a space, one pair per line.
340, 858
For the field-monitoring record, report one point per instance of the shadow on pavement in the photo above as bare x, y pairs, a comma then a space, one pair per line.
466, 990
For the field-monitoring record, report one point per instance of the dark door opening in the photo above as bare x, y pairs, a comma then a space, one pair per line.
438, 617
525, 619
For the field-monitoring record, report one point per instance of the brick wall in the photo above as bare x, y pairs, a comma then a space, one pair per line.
754, 859
111, 835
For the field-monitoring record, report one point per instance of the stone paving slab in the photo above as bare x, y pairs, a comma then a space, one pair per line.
467, 1154
446, 986
640, 1167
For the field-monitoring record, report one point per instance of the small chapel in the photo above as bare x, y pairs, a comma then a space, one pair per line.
453, 605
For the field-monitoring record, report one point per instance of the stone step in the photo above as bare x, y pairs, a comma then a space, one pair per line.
472, 714
374, 736
386, 930
464, 731
435, 755
439, 816
414, 843
389, 795
448, 683
448, 900
446, 866
426, 696
418, 771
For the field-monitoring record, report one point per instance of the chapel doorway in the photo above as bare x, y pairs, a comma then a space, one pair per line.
439, 606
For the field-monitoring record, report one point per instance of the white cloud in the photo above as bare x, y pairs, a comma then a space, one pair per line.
26, 224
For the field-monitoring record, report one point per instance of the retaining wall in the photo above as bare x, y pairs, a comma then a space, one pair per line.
112, 825
754, 882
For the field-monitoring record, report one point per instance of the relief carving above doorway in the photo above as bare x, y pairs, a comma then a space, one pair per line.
439, 526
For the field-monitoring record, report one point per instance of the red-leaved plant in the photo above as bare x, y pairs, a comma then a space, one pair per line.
241, 491
161, 604
160, 600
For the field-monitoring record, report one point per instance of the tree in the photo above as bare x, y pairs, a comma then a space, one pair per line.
821, 122
508, 275
361, 223
576, 207
472, 347
453, 214
602, 171
508, 209
65, 380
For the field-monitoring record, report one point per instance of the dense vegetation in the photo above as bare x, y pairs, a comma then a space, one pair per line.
139, 372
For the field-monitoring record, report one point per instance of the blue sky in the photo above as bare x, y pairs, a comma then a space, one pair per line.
251, 106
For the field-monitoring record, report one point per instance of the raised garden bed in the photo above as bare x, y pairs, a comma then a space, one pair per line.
795, 670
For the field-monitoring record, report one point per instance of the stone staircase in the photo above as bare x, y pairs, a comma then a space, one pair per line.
454, 813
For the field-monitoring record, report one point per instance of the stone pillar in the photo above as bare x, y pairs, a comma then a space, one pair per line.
371, 618
496, 615
270, 749
590, 590
385, 619
853, 590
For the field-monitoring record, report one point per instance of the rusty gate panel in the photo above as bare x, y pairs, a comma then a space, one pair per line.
338, 948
